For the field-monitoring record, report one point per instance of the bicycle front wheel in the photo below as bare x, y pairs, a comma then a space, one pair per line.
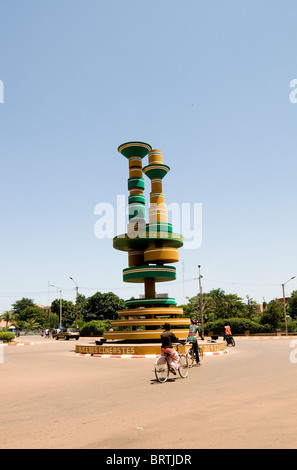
232, 342
183, 367
161, 369
190, 357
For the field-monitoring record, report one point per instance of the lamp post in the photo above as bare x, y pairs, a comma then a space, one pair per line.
58, 289
201, 305
76, 300
284, 300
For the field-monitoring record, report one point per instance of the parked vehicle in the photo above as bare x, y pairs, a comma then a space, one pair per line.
67, 333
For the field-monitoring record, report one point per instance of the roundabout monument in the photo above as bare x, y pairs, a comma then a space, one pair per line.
152, 248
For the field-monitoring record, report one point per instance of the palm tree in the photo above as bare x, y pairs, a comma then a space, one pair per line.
8, 317
30, 325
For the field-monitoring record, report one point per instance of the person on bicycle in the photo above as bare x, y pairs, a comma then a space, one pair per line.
167, 338
228, 335
227, 331
192, 338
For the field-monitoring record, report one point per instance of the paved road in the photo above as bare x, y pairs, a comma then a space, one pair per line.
52, 398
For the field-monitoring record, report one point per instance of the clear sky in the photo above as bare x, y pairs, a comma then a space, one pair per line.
205, 81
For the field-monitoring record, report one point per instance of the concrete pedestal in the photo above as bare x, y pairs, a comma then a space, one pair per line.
116, 349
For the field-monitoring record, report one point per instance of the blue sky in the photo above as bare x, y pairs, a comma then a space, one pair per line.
207, 82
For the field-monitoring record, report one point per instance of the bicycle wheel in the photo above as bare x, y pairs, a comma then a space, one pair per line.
161, 369
190, 357
232, 342
200, 352
183, 367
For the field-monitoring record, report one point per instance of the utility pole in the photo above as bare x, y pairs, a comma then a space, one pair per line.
58, 288
284, 301
201, 305
76, 300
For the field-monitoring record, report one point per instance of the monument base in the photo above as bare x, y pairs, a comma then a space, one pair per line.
143, 350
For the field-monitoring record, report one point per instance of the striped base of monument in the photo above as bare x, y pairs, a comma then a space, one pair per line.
122, 351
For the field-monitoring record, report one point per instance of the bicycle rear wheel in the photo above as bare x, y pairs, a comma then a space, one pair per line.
183, 367
190, 357
161, 369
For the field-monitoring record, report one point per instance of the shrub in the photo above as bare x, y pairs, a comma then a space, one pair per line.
238, 326
291, 326
6, 336
95, 328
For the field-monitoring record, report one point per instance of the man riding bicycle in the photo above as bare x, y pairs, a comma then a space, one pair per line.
167, 349
192, 338
227, 331
228, 335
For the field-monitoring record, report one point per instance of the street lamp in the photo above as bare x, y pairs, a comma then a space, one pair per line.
58, 289
284, 300
201, 306
76, 300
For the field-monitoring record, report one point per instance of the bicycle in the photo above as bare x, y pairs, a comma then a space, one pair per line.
191, 356
162, 367
230, 340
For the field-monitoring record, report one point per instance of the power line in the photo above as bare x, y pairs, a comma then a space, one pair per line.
241, 284
15, 293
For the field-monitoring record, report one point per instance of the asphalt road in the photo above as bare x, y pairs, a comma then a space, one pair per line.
52, 398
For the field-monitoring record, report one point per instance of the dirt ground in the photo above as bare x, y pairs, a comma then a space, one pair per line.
54, 399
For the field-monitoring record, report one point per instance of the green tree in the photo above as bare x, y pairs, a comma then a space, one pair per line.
273, 314
30, 325
20, 305
68, 311
53, 321
8, 317
103, 306
216, 305
35, 313
235, 307
252, 310
192, 308
81, 303
292, 305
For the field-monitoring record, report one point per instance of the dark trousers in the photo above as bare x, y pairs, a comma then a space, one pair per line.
195, 350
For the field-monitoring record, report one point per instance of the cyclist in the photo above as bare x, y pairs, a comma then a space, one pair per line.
227, 332
167, 338
192, 338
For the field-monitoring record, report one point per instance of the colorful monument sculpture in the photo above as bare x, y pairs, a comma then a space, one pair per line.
152, 247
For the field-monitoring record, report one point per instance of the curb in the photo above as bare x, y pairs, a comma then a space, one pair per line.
119, 356
16, 344
216, 353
